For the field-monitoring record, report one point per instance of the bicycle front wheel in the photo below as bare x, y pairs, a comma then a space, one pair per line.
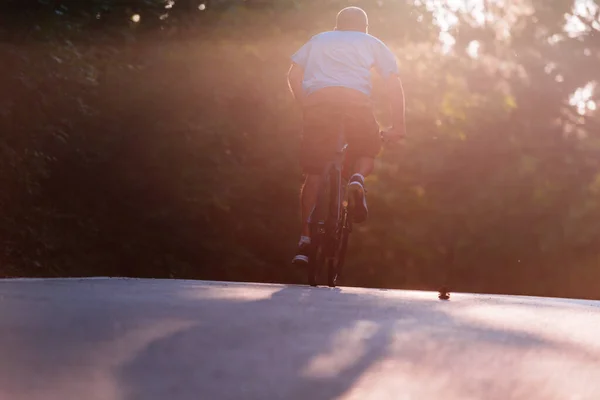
342, 245
317, 254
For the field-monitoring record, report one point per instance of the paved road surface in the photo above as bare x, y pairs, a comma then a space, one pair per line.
152, 339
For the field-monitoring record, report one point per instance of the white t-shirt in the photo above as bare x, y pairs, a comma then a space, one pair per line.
344, 59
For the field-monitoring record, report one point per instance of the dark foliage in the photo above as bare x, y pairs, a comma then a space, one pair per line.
165, 146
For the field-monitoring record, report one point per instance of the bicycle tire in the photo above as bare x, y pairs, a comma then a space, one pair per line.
318, 230
343, 246
327, 227
334, 224
331, 273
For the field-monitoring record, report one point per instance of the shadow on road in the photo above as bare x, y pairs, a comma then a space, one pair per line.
146, 340
305, 343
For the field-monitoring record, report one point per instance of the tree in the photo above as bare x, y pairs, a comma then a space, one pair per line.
165, 146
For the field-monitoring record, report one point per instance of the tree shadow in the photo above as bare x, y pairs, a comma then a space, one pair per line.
319, 343
137, 339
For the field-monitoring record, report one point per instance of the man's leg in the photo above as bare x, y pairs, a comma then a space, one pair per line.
364, 136
363, 166
308, 199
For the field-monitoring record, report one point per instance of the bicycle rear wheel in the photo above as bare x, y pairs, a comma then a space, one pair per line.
336, 264
331, 273
325, 224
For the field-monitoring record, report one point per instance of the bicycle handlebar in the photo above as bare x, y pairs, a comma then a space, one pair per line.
382, 135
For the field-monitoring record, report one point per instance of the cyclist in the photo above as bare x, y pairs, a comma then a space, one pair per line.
330, 78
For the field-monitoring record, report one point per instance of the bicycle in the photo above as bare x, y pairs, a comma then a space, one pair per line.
330, 221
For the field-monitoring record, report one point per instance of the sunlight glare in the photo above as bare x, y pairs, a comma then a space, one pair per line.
447, 41
585, 8
479, 16
549, 67
477, 12
582, 98
473, 49
591, 105
347, 347
555, 39
573, 25
583, 14
234, 292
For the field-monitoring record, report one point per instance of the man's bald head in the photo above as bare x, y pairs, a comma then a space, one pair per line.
352, 19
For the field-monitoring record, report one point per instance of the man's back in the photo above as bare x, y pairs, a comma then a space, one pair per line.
343, 59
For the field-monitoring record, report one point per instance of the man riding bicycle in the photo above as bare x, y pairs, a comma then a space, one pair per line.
330, 78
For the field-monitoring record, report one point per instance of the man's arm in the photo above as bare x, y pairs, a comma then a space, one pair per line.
387, 67
397, 104
295, 79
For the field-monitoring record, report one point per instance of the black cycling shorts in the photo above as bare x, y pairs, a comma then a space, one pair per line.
330, 111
